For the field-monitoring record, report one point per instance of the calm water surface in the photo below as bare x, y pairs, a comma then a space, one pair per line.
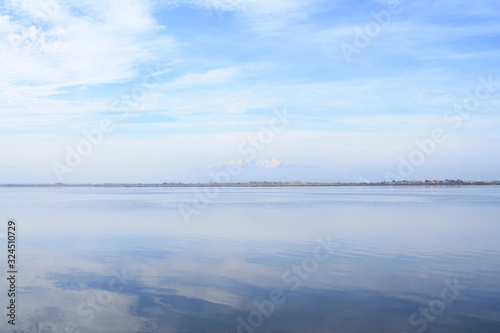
320, 259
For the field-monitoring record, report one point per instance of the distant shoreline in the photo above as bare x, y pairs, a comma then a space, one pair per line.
269, 184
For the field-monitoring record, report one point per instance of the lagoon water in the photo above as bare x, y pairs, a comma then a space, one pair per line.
305, 259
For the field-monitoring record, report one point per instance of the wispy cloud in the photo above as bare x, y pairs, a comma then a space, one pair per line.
258, 15
105, 46
213, 77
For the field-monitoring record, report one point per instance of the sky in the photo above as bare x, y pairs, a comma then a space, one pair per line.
135, 91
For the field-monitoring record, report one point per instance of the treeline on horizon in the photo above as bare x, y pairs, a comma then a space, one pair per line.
269, 184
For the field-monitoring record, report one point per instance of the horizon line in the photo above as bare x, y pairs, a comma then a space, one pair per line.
447, 182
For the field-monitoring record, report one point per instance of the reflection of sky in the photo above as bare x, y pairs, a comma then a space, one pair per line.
397, 248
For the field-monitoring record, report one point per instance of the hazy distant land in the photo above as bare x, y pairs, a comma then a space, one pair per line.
446, 182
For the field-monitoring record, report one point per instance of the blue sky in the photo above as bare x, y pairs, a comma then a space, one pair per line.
201, 76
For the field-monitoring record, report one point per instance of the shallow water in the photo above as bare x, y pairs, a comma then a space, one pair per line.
306, 259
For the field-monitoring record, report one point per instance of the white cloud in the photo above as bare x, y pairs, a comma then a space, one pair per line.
257, 15
70, 50
209, 78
